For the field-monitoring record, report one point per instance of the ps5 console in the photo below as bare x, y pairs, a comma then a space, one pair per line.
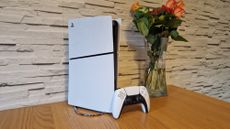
93, 46
93, 67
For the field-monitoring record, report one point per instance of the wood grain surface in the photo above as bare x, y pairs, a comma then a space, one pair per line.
181, 109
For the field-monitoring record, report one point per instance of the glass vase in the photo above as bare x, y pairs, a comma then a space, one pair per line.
155, 75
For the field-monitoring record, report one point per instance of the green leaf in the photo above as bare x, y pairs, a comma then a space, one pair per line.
174, 23
151, 38
150, 19
174, 34
143, 9
146, 21
138, 15
142, 25
155, 46
180, 38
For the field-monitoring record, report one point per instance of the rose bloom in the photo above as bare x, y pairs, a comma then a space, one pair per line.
171, 4
180, 4
135, 6
177, 7
178, 12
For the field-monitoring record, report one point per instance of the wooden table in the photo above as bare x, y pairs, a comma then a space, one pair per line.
181, 109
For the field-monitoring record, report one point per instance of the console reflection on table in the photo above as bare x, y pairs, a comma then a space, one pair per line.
181, 109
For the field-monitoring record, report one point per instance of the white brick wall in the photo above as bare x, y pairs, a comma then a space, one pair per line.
34, 43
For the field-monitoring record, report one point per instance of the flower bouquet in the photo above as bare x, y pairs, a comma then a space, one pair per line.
157, 24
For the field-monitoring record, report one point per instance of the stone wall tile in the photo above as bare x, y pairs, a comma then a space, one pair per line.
102, 3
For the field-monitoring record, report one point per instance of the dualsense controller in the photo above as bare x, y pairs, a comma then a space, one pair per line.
130, 95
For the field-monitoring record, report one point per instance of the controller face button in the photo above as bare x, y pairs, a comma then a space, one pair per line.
143, 91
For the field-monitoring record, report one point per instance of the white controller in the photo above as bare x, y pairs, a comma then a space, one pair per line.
130, 95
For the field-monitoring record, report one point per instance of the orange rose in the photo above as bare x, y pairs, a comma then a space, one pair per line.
180, 4
171, 4
177, 7
134, 7
178, 12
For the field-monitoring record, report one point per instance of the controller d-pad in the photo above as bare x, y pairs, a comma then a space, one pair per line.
121, 95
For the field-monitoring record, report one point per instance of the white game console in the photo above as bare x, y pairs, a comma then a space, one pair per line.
93, 67
93, 46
